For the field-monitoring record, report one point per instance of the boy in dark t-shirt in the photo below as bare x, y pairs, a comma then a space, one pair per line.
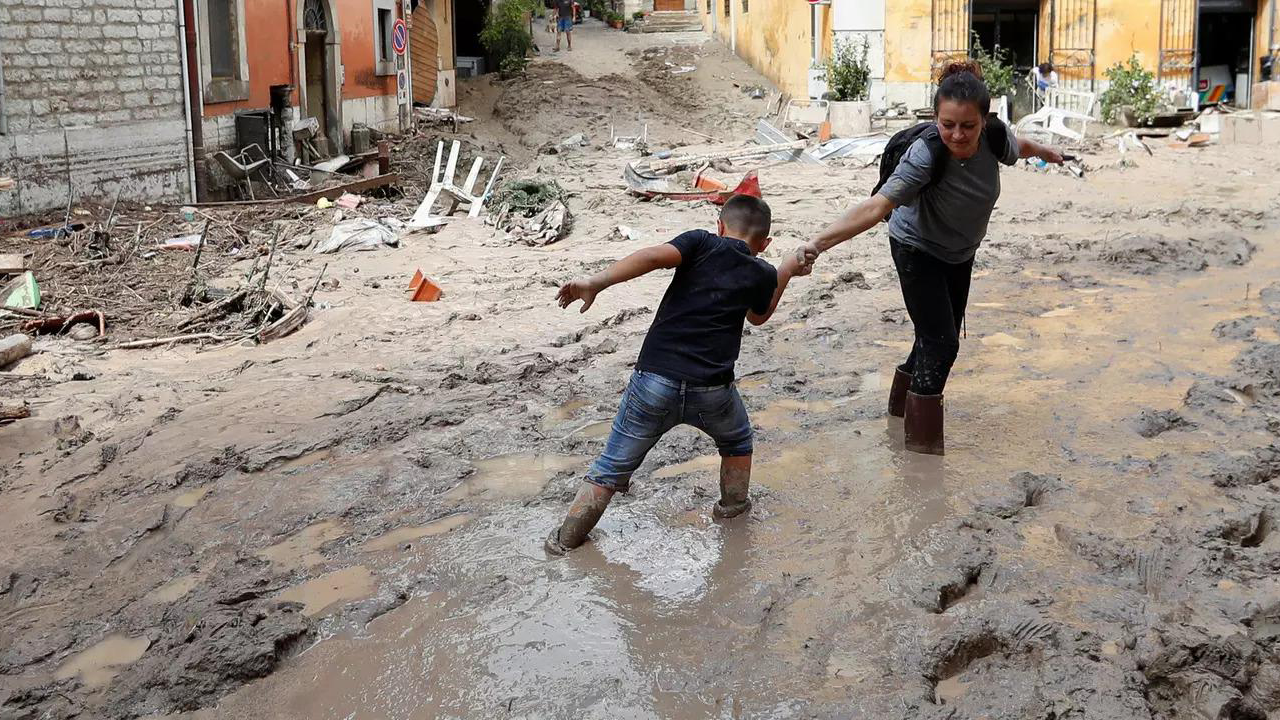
684, 374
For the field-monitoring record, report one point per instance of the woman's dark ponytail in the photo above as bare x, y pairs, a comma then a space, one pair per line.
962, 82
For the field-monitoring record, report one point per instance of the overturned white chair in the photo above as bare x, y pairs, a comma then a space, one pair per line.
1060, 108
442, 183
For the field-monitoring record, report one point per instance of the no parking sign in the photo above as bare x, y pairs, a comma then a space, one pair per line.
399, 36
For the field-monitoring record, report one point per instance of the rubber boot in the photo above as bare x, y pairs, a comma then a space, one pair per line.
734, 500
923, 425
898, 393
588, 505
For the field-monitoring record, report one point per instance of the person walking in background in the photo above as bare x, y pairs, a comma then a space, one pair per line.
564, 22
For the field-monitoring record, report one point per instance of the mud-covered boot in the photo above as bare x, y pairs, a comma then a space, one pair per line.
734, 500
588, 505
898, 393
923, 424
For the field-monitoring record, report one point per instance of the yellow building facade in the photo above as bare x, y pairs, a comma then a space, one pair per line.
1185, 42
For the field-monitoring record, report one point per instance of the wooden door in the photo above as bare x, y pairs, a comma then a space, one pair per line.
424, 51
669, 5
316, 88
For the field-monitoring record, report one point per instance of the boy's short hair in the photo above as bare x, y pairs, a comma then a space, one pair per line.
748, 216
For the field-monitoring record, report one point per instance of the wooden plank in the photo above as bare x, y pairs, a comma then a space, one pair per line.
12, 263
332, 193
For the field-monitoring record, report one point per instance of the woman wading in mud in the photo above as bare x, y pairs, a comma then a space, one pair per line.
938, 200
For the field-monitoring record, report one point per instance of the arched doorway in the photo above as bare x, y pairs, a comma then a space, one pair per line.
319, 45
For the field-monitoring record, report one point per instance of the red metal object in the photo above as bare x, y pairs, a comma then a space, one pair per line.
705, 188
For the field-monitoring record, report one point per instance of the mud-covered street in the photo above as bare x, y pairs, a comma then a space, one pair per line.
348, 522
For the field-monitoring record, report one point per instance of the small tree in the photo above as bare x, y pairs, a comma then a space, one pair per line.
997, 69
1130, 86
506, 35
848, 73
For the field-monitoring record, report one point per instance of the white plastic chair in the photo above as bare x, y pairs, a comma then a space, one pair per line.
442, 183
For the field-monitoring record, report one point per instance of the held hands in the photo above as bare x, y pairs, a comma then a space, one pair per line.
803, 259
577, 289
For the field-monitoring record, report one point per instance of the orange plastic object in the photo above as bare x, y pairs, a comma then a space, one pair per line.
824, 132
703, 182
424, 290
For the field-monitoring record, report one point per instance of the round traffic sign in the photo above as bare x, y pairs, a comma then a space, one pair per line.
399, 36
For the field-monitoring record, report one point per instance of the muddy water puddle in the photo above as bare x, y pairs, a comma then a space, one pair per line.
513, 476
400, 536
784, 414
303, 548
97, 665
323, 592
191, 498
173, 590
949, 691
658, 600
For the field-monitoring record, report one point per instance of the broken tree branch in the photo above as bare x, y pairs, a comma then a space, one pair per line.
154, 342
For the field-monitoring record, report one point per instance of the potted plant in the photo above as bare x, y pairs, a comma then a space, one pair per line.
1131, 94
615, 20
848, 77
638, 16
997, 73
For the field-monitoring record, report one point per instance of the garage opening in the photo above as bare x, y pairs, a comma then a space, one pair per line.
469, 17
1226, 51
1012, 25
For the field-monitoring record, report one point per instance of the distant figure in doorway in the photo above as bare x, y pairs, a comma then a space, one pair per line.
564, 22
1045, 77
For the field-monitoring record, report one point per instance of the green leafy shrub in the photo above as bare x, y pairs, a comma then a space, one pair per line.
848, 73
638, 15
506, 35
1131, 86
997, 69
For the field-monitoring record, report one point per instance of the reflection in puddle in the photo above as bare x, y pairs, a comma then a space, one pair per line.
513, 476
303, 548
97, 665
173, 590
323, 592
395, 538
191, 498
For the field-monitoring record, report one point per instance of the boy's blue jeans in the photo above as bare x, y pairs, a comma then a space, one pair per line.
652, 405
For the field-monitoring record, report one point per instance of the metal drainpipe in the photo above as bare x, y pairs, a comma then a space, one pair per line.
195, 120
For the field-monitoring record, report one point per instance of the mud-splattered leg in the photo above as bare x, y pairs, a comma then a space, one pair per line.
735, 481
588, 505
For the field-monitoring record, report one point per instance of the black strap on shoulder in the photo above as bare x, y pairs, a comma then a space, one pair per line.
997, 135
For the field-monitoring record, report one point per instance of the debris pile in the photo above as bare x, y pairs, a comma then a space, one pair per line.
534, 212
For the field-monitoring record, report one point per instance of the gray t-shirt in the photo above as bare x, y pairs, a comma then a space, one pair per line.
950, 220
